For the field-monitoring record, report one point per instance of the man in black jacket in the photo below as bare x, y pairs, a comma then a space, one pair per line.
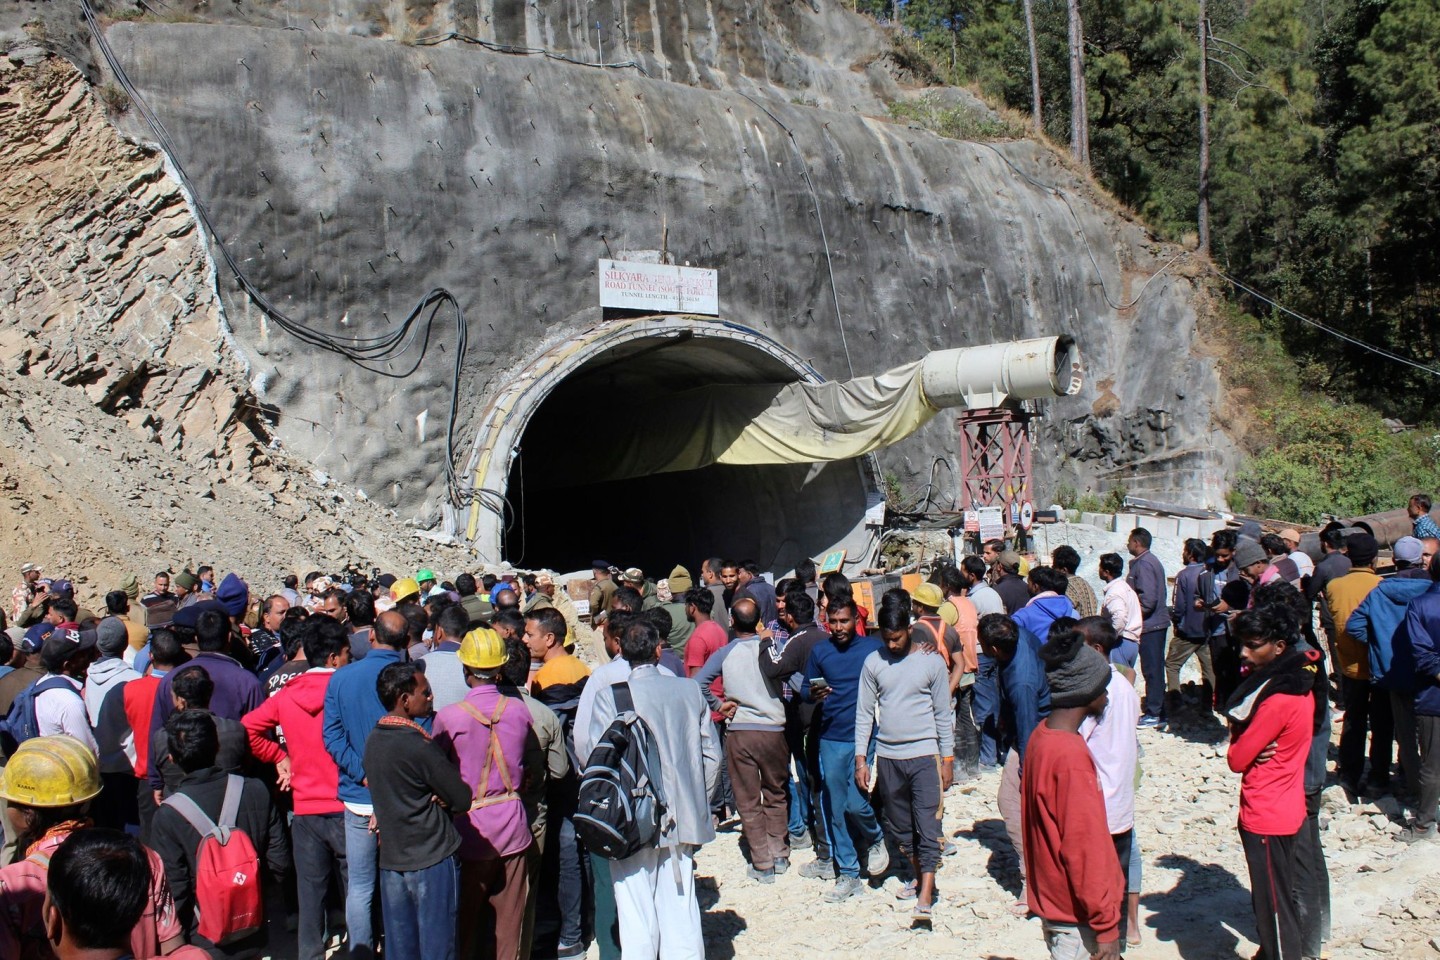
416, 791
194, 745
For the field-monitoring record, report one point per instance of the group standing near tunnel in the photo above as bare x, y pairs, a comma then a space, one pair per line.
485, 767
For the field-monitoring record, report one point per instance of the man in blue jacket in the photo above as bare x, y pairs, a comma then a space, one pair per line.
1047, 603
352, 708
1147, 579
832, 677
1379, 623
1193, 624
1422, 632
1024, 702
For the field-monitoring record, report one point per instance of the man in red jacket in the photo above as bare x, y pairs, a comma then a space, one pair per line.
319, 828
1076, 893
1273, 715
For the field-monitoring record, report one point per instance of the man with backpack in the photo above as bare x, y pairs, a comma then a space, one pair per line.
488, 736
202, 864
308, 772
55, 701
655, 886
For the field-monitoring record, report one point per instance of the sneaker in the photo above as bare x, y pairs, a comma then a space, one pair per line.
782, 866
948, 849
819, 870
799, 841
764, 876
877, 860
844, 889
570, 951
1415, 834
1148, 721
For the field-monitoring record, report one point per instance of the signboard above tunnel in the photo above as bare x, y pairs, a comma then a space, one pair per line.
659, 288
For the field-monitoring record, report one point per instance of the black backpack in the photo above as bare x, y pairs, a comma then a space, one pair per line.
621, 806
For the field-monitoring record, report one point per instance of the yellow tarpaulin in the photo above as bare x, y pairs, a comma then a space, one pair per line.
764, 423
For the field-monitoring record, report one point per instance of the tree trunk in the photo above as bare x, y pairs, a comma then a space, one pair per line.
1202, 212
1034, 69
1079, 118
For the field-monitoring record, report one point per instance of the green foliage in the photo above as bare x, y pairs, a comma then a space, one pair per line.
1114, 501
957, 122
1325, 152
1335, 458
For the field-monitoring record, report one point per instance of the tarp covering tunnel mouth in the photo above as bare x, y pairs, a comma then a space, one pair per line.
608, 410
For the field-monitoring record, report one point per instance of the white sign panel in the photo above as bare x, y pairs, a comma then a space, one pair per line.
659, 287
992, 523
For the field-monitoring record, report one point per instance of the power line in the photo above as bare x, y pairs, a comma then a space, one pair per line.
1380, 351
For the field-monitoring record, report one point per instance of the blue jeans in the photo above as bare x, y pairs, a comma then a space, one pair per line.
845, 806
1152, 667
986, 708
799, 808
420, 910
1125, 653
361, 857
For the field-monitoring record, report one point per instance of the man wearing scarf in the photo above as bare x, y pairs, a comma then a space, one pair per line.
1273, 714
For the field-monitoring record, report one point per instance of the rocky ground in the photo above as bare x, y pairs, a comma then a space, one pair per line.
1196, 900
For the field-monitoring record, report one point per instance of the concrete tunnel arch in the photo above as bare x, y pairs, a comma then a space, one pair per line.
534, 507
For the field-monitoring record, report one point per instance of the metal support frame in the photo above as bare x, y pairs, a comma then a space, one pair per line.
995, 458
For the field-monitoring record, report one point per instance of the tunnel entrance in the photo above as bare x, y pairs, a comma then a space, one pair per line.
562, 517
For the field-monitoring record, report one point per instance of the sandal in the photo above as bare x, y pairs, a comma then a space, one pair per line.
908, 891
1020, 908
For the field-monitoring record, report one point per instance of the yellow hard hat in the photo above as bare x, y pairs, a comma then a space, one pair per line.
401, 589
928, 595
57, 771
482, 649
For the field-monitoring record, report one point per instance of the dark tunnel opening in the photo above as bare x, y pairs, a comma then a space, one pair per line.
564, 519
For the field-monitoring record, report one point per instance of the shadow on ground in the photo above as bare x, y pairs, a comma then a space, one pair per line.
1193, 915
1003, 865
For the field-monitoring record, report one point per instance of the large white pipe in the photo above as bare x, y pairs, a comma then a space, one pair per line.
977, 378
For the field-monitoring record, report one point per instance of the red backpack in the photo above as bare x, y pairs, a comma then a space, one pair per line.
228, 904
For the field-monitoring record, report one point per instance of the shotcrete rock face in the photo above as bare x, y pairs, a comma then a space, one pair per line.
351, 175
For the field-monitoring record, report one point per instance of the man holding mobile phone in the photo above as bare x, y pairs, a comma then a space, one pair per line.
836, 663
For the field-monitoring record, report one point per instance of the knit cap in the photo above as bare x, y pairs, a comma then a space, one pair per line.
680, 581
234, 595
111, 636
1247, 553
131, 586
1075, 672
186, 581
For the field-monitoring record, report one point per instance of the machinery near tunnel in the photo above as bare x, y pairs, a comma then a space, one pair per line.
678, 437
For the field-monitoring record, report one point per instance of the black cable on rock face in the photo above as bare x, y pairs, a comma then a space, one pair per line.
366, 352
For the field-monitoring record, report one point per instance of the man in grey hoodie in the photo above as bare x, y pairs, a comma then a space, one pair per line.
116, 806
655, 888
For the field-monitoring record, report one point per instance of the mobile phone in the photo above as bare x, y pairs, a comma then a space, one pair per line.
818, 683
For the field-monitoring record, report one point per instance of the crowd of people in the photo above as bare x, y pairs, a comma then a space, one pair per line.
406, 764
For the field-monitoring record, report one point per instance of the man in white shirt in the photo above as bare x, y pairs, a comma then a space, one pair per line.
66, 656
1303, 563
1112, 744
1122, 605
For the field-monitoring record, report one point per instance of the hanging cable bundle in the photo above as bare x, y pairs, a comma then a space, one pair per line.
374, 354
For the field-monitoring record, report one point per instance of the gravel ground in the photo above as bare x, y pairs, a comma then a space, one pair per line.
1195, 904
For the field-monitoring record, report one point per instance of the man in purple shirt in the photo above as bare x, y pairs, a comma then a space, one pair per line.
488, 735
237, 691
